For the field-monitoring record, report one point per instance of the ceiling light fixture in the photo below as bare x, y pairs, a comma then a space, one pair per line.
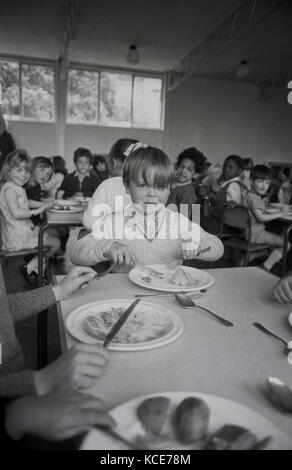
133, 56
243, 70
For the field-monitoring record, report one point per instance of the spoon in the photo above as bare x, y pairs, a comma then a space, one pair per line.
186, 302
270, 333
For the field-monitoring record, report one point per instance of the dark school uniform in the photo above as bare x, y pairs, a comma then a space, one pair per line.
72, 185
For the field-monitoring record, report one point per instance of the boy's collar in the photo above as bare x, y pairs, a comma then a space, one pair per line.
136, 216
76, 173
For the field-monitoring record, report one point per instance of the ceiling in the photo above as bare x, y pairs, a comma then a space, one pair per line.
164, 30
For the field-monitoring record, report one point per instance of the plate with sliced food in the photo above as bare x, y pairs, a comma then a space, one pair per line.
149, 326
66, 202
194, 421
170, 279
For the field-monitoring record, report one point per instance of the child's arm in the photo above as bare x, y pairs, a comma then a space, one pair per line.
263, 217
35, 204
60, 194
194, 240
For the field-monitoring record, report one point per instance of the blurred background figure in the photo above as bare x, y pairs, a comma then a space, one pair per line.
99, 168
7, 143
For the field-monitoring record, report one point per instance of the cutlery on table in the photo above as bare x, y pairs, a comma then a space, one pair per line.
118, 325
111, 433
196, 293
270, 333
187, 302
280, 393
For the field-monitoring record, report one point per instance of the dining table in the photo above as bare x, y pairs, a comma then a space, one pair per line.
233, 363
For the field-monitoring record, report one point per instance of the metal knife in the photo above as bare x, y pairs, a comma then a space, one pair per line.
118, 325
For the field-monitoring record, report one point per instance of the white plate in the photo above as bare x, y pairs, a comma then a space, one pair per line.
64, 211
66, 202
82, 198
149, 325
276, 205
222, 411
202, 279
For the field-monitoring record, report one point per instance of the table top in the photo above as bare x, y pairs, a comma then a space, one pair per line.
233, 362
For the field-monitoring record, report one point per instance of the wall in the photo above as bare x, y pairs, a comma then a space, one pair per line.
217, 116
274, 124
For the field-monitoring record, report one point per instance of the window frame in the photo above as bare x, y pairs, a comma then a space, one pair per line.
133, 73
32, 61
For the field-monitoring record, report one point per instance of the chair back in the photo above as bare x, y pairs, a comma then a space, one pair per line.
236, 217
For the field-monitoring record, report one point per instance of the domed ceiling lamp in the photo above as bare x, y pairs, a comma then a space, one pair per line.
243, 70
133, 56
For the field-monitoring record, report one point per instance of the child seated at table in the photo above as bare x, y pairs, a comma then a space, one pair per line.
184, 191
80, 182
100, 168
51, 187
18, 230
146, 232
231, 189
258, 206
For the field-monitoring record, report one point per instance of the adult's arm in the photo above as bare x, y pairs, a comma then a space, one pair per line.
216, 246
18, 384
25, 304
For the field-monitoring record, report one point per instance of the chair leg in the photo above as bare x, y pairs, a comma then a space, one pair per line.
42, 339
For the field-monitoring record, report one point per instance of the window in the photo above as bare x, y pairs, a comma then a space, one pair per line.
117, 99
27, 91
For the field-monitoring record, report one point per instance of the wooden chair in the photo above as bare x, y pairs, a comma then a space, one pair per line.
239, 218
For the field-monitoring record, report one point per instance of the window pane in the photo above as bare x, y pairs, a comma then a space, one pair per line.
115, 100
38, 92
9, 89
147, 102
82, 98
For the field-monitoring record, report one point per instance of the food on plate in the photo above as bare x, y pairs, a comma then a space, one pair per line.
231, 437
152, 413
192, 419
61, 208
180, 277
140, 326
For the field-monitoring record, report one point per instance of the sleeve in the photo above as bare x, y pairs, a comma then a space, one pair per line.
233, 193
18, 384
88, 251
253, 203
64, 184
25, 304
92, 213
194, 237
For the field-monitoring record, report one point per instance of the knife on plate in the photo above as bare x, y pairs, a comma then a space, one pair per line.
118, 325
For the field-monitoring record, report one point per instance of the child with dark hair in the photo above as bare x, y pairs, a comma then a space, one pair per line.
184, 192
41, 172
246, 173
51, 187
80, 182
258, 206
100, 168
285, 190
231, 189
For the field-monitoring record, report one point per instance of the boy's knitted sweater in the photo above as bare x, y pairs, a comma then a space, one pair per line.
15, 379
163, 246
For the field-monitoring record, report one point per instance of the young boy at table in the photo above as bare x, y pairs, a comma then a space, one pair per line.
80, 182
256, 202
146, 232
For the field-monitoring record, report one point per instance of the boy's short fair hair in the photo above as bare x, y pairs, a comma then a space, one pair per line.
236, 159
150, 163
13, 159
193, 154
41, 162
261, 172
82, 152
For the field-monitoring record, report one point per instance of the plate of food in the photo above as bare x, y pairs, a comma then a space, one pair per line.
65, 209
171, 279
149, 326
192, 421
82, 199
66, 202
